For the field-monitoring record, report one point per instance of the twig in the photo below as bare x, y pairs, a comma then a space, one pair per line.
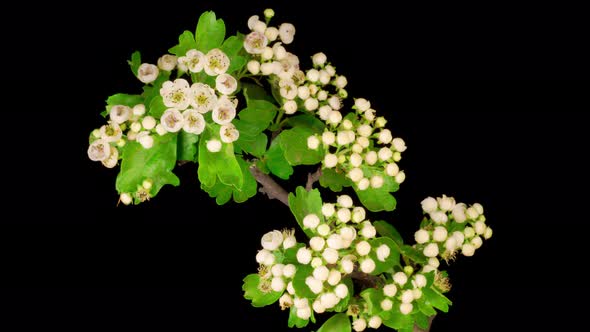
269, 186
313, 178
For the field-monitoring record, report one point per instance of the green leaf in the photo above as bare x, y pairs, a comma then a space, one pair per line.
140, 164
248, 190
124, 99
157, 107
306, 121
258, 114
373, 298
295, 321
236, 64
135, 62
221, 192
255, 147
397, 320
337, 323
294, 143
253, 293
421, 320
254, 91
436, 299
187, 146
379, 199
303, 203
425, 308
220, 165
233, 45
330, 178
274, 159
414, 254
290, 255
391, 261
301, 288
386, 229
186, 42
210, 32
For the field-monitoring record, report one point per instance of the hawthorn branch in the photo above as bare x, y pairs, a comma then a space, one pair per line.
269, 186
313, 178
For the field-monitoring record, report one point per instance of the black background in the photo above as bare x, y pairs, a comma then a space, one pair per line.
478, 92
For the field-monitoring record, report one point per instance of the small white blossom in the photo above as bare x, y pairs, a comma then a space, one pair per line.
478, 207
400, 278
316, 261
216, 62
148, 122
459, 238
344, 201
323, 229
277, 270
433, 261
194, 61
396, 156
147, 73
214, 145
313, 142
226, 84
161, 130
229, 133
176, 94
363, 142
392, 169
318, 306
167, 62
272, 240
125, 198
343, 215
145, 139
477, 242
317, 243
331, 70
369, 231
172, 120
383, 252
369, 115
313, 75
340, 82
253, 67
335, 241
135, 127
480, 227
321, 273
355, 174
367, 265
472, 213
431, 250
406, 308
286, 301
290, 107
446, 203
255, 42
290, 288
315, 285
439, 217
451, 244
224, 111
371, 157
385, 136
469, 232
439, 234
267, 54
277, 284
363, 184
324, 80
386, 304
287, 32
328, 209
311, 221
365, 130
420, 281
304, 256
330, 255
119, 113
398, 144
376, 181
329, 300
459, 213
311, 104
417, 293
319, 59
385, 154
358, 214
111, 132
271, 33
289, 241
139, 110
303, 313
363, 248
468, 249
421, 236
400, 177
334, 277
375, 322
113, 158
335, 102
194, 122
330, 160
289, 271
390, 290
203, 98
407, 296
334, 117
328, 137
279, 51
488, 233
342, 138
347, 266
362, 104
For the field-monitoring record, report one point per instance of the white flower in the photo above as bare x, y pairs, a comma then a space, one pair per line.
328, 137
193, 121
468, 249
176, 94
433, 261
112, 159
334, 277
407, 296
321, 273
135, 126
383, 252
277, 284
269, 260
376, 181
363, 248
167, 62
217, 62
344, 201
386, 304
367, 265
480, 227
313, 75
213, 145
194, 61
322, 94
459, 238
363, 142
439, 217
369, 115
328, 209
335, 102
400, 278
272, 240
289, 241
172, 120
390, 290
304, 256
301, 303
341, 291
392, 169
340, 82
288, 90
286, 301
203, 98
440, 234
477, 242
111, 132
459, 213
252, 21
358, 214
316, 261
319, 59
363, 184
120, 113
148, 122
303, 313
317, 243
145, 139
342, 138
311, 221
343, 215
330, 160
139, 110
323, 229
318, 306
385, 136
421, 236
226, 84
334, 117
357, 148
368, 230
488, 233
271, 33
311, 104
451, 244
224, 111
400, 177
329, 300
420, 280
478, 207
330, 255
313, 142
446, 203
469, 232
161, 130
346, 265
371, 157
290, 288
406, 308
253, 67
289, 271
267, 54
324, 79
472, 213
375, 322
398, 144
125, 198
315, 285
279, 51
362, 104
147, 73
431, 250
335, 241
277, 270
417, 293
287, 32
261, 256
385, 154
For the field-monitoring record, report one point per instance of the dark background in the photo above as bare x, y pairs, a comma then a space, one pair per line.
481, 94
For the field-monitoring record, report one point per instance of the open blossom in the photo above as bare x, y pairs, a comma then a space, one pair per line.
167, 62
172, 120
203, 98
216, 62
226, 84
120, 113
287, 33
99, 150
194, 122
255, 42
229, 133
111, 132
224, 112
176, 94
112, 159
272, 240
147, 73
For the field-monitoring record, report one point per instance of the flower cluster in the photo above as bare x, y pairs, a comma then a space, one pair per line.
450, 228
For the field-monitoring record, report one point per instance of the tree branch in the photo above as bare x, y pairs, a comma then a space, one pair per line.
313, 178
269, 186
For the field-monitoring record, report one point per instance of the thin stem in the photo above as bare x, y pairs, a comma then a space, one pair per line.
269, 186
313, 178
